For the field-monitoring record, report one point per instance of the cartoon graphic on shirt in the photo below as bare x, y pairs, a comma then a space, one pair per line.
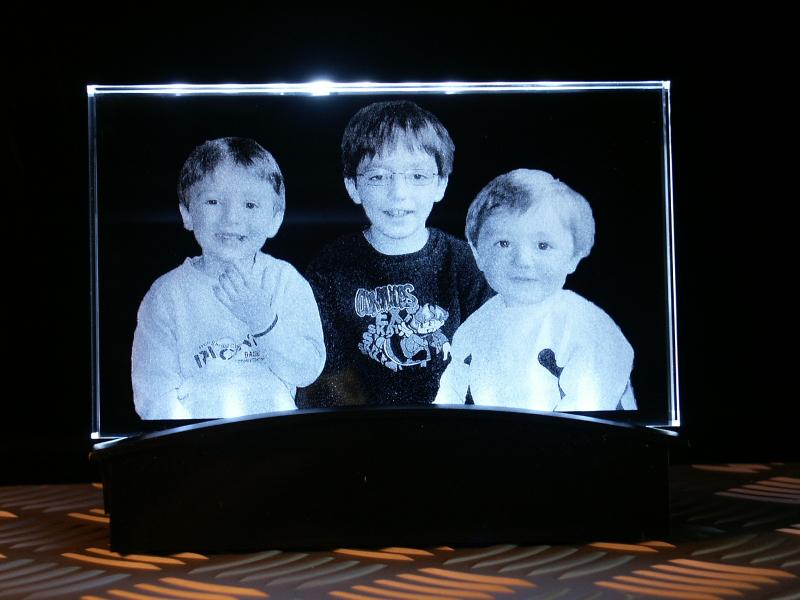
403, 333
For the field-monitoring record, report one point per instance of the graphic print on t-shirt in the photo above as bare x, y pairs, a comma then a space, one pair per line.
404, 332
228, 349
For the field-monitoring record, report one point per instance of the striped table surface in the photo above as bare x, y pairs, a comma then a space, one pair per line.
736, 534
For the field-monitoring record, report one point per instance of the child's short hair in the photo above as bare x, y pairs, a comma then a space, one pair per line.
244, 152
382, 124
521, 189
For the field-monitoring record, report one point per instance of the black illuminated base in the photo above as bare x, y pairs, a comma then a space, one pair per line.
375, 477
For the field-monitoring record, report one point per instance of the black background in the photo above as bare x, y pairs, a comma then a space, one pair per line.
726, 104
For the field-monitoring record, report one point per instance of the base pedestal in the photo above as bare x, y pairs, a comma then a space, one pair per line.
374, 477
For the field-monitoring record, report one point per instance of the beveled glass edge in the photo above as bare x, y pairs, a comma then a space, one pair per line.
326, 88
672, 298
94, 266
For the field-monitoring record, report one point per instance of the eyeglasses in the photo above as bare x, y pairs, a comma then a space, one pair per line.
382, 177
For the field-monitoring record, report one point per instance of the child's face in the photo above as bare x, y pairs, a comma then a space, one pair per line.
398, 209
231, 212
526, 257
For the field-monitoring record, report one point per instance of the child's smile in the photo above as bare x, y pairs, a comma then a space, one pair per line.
396, 212
230, 238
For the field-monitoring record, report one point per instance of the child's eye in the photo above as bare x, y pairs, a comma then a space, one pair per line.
543, 246
376, 177
212, 201
420, 176
251, 205
502, 244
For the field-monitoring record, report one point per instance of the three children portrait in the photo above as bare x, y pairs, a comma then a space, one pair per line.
396, 313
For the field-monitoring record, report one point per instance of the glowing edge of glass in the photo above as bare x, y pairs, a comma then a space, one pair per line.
326, 88
672, 297
94, 291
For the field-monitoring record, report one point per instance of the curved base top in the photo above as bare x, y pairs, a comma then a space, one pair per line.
385, 476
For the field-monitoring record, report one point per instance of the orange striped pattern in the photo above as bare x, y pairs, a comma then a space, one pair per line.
725, 583
639, 548
351, 596
169, 592
781, 490
657, 544
373, 554
111, 562
241, 592
384, 593
190, 556
790, 480
652, 591
705, 588
88, 517
159, 560
47, 550
435, 584
734, 568
457, 585
690, 579
460, 576
704, 573
186, 589
434, 590
407, 551
130, 595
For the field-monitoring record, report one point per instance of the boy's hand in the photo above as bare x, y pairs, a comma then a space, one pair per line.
245, 298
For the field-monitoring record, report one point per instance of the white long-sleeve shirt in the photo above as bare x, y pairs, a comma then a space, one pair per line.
562, 354
192, 358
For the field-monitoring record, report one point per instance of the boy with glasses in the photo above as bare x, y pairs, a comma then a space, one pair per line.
391, 296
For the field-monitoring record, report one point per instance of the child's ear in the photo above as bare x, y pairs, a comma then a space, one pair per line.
441, 186
574, 263
352, 190
476, 255
186, 216
277, 221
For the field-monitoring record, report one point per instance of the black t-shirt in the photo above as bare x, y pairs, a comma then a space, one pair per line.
389, 320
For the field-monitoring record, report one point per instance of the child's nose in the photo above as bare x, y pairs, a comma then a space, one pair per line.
398, 186
525, 256
232, 213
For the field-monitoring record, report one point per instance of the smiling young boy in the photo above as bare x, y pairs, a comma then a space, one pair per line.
391, 296
535, 345
234, 331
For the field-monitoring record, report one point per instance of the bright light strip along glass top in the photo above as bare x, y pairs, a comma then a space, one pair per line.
325, 88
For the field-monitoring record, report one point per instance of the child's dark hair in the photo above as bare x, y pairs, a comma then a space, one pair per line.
382, 124
244, 152
520, 189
